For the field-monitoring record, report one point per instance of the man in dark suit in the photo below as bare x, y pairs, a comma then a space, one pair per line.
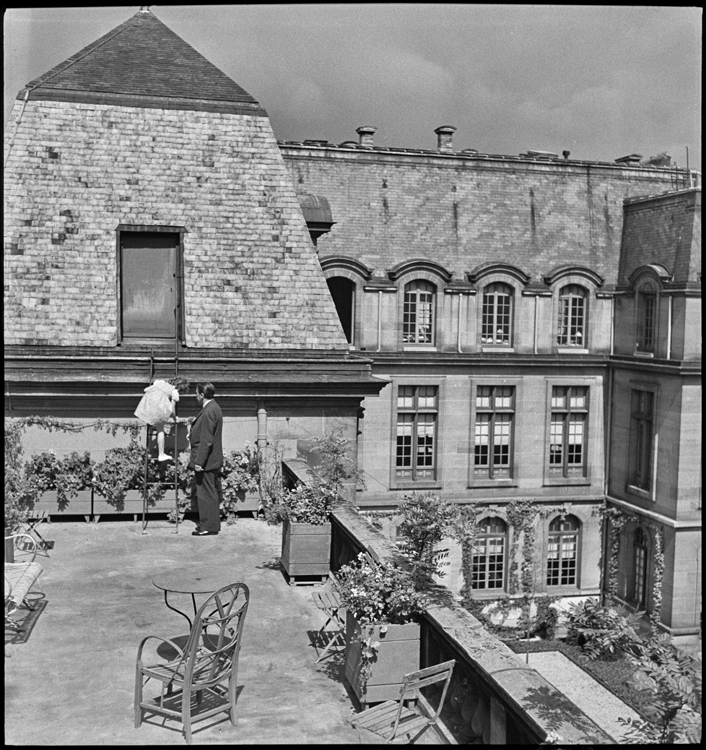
206, 460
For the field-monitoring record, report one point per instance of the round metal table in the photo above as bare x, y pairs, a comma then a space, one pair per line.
190, 582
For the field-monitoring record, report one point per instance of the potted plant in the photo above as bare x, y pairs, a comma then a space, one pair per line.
239, 482
383, 605
306, 531
306, 507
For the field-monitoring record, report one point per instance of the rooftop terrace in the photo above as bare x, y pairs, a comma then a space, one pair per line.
72, 682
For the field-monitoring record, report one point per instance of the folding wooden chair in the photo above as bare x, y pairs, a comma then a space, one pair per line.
396, 722
328, 600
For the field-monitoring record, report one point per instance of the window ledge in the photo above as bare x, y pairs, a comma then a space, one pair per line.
478, 483
410, 485
510, 349
645, 355
639, 492
558, 481
571, 350
420, 348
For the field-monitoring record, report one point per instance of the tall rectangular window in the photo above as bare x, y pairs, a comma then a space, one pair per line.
417, 409
493, 432
562, 551
572, 312
149, 270
567, 431
488, 555
497, 314
646, 317
418, 313
642, 403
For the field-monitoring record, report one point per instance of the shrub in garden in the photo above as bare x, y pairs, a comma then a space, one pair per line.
602, 632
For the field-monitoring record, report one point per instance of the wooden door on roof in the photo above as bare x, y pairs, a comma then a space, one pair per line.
149, 284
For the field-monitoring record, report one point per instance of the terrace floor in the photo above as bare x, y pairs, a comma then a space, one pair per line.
72, 682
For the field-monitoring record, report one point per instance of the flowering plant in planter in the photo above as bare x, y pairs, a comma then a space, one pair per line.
381, 594
379, 599
306, 503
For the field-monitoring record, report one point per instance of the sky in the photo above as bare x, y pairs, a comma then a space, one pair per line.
598, 81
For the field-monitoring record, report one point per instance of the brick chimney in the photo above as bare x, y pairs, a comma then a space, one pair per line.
366, 135
445, 135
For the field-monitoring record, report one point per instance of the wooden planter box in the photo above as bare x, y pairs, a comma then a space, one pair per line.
306, 549
132, 505
81, 505
397, 655
246, 502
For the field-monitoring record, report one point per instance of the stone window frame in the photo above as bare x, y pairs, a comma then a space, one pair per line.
359, 274
491, 592
397, 482
638, 420
515, 383
552, 479
517, 284
180, 333
576, 533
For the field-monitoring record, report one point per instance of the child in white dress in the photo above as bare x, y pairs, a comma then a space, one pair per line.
158, 406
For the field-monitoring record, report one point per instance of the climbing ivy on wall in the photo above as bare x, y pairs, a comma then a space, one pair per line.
613, 520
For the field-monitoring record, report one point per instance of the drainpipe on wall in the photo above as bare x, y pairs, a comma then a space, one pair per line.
612, 324
670, 312
379, 320
458, 344
536, 297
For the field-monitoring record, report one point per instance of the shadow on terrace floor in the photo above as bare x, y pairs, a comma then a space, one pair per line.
72, 682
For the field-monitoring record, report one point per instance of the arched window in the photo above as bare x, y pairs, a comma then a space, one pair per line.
343, 294
418, 313
488, 556
640, 567
571, 328
562, 551
497, 314
646, 317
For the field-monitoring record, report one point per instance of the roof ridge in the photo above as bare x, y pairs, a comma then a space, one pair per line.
62, 67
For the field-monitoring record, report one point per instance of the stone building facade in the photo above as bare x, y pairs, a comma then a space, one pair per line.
490, 292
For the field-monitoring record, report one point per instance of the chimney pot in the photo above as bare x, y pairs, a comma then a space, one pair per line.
445, 137
365, 132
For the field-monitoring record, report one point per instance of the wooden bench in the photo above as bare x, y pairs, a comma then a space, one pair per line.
20, 576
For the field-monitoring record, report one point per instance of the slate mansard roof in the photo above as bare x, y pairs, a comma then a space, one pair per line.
142, 63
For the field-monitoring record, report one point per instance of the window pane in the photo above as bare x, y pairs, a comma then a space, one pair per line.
577, 398
559, 397
405, 397
427, 396
503, 397
556, 439
481, 439
405, 423
483, 397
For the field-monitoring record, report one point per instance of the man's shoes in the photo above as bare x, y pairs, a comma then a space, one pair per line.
198, 532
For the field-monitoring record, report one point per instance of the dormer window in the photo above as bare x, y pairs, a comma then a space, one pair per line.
497, 314
571, 329
418, 314
646, 317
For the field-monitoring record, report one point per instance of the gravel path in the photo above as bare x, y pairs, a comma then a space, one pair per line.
580, 688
